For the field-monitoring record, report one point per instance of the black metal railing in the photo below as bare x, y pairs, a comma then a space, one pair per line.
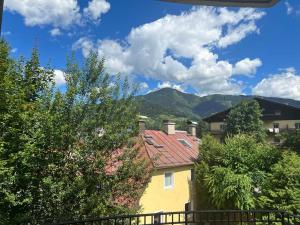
204, 217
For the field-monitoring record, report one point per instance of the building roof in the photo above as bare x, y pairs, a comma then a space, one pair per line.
269, 111
229, 3
173, 150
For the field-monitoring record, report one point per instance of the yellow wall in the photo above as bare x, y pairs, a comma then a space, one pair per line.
283, 124
215, 125
156, 198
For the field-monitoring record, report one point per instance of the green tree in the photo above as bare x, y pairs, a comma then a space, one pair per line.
282, 187
231, 175
292, 141
66, 154
245, 118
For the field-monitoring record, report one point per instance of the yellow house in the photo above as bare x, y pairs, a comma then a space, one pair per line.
277, 118
172, 154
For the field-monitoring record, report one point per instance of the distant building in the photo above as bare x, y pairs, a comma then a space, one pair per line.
277, 118
172, 154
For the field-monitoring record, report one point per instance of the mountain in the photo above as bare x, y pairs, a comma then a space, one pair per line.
170, 103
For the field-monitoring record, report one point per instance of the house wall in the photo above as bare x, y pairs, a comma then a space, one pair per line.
157, 198
216, 125
283, 124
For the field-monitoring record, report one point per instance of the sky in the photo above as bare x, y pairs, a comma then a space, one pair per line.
194, 49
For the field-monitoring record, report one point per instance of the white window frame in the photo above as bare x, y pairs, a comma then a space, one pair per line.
297, 125
172, 180
276, 124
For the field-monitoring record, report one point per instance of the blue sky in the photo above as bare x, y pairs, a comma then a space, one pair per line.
201, 50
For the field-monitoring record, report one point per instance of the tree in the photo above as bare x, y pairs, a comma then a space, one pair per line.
66, 155
232, 174
245, 118
282, 187
292, 141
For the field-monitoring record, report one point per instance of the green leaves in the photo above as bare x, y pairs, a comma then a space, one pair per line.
282, 187
56, 147
244, 118
232, 174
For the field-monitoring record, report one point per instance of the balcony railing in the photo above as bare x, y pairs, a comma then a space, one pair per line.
206, 217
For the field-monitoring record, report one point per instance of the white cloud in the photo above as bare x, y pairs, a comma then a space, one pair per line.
14, 50
6, 33
57, 13
59, 77
85, 44
289, 8
155, 49
167, 84
55, 32
285, 85
247, 66
144, 86
43, 12
96, 8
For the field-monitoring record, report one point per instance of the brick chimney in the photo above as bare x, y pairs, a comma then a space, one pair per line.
142, 124
192, 125
169, 127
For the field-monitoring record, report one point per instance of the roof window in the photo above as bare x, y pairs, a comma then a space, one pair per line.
185, 143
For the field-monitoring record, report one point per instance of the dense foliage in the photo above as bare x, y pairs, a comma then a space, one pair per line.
292, 141
245, 118
247, 172
232, 174
59, 149
282, 187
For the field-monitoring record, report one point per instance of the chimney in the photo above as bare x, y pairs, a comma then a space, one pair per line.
169, 127
142, 124
192, 125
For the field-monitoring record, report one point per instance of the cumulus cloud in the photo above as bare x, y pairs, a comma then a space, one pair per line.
85, 44
96, 8
144, 86
289, 8
40, 12
55, 32
59, 77
286, 84
167, 84
157, 49
57, 13
14, 50
247, 66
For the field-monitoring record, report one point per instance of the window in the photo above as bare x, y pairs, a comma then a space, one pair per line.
158, 218
275, 125
169, 180
277, 113
223, 126
297, 125
185, 143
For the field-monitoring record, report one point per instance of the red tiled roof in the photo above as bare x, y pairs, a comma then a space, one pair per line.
166, 151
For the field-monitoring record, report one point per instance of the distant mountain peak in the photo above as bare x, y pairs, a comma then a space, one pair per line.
169, 101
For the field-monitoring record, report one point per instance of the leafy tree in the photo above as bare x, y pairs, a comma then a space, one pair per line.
282, 187
66, 154
245, 118
232, 174
292, 141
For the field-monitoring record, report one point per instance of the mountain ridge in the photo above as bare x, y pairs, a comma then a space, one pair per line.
176, 104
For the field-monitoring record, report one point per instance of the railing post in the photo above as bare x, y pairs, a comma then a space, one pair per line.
185, 218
